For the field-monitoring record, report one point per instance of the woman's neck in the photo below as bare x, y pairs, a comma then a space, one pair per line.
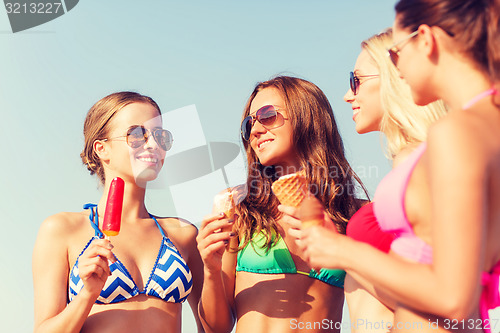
286, 169
133, 202
463, 83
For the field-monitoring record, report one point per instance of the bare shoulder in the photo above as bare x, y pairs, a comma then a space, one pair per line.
456, 121
460, 142
179, 229
61, 231
403, 154
62, 224
459, 133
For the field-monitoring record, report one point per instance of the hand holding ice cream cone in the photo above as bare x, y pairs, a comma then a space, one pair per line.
311, 212
224, 203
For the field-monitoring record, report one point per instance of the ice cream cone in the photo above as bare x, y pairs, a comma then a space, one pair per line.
290, 189
224, 202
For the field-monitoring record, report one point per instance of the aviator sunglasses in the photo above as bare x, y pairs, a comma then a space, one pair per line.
355, 82
267, 115
137, 136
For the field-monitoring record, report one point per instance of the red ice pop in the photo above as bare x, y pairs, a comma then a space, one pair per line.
114, 204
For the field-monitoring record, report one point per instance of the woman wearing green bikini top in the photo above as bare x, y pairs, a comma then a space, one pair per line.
264, 284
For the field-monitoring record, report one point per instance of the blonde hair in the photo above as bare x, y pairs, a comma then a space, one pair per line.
403, 122
96, 126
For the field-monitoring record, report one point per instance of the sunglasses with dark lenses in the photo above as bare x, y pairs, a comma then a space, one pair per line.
137, 136
267, 115
355, 82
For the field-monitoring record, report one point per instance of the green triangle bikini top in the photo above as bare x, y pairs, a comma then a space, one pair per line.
278, 260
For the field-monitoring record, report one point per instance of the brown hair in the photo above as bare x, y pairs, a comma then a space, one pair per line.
494, 40
320, 150
472, 23
96, 126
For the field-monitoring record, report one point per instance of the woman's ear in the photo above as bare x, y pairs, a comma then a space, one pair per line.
427, 40
100, 148
439, 42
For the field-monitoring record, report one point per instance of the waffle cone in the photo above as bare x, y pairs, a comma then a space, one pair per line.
290, 189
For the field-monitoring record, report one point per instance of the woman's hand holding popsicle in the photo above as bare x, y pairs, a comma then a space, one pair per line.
94, 262
93, 266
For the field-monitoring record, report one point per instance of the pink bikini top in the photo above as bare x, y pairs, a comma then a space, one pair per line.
490, 296
390, 212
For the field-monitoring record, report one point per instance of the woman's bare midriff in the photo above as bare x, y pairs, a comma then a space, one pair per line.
286, 303
138, 314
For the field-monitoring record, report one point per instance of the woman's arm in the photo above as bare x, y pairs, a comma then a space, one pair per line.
450, 286
290, 217
50, 278
216, 305
375, 291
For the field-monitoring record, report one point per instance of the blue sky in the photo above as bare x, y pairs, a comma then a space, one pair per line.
198, 60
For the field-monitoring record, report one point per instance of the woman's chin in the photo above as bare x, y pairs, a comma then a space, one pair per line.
145, 176
266, 159
422, 99
265, 163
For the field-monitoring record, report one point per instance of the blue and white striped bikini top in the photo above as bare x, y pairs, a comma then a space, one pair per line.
170, 279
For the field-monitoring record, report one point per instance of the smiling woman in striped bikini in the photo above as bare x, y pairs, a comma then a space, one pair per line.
138, 281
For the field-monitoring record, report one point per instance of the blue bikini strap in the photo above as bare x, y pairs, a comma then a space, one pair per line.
95, 224
158, 225
93, 215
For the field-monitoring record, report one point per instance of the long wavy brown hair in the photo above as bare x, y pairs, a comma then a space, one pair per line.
320, 150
